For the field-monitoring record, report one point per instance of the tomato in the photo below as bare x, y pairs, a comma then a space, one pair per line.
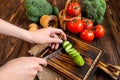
88, 24
74, 9
99, 31
75, 26
87, 35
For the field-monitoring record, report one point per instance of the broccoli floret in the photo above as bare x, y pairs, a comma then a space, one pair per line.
36, 9
94, 9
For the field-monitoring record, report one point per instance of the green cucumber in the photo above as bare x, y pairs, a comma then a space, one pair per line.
73, 53
68, 47
65, 43
70, 50
79, 60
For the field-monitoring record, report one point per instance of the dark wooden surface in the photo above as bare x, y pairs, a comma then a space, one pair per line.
63, 64
13, 11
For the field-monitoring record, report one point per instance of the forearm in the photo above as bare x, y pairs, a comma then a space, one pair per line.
12, 30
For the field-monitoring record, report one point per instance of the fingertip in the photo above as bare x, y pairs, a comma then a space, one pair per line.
56, 46
61, 40
53, 46
43, 61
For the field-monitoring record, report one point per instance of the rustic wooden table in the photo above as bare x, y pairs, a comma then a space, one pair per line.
13, 11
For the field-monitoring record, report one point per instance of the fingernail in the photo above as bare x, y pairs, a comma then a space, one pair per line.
61, 41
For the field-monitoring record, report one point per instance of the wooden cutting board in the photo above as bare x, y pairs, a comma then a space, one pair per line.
64, 65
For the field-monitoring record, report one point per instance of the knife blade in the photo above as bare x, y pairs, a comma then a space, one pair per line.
53, 54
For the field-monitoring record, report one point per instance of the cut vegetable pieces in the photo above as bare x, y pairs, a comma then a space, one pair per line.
79, 60
73, 53
70, 50
65, 43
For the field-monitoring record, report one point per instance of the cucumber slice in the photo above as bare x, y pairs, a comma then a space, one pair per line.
72, 53
70, 50
75, 55
68, 47
79, 60
66, 43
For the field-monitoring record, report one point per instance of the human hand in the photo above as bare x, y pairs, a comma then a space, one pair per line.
24, 68
47, 35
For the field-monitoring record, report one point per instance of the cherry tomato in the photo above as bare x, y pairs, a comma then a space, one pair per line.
74, 9
99, 31
87, 35
75, 26
88, 24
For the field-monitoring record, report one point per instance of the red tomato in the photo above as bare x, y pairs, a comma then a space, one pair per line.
74, 9
87, 35
75, 26
88, 24
99, 31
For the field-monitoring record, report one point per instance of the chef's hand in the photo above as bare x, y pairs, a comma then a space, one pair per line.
41, 36
23, 68
47, 35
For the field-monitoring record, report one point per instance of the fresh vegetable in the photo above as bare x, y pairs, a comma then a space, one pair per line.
75, 26
56, 11
99, 31
33, 27
88, 24
73, 53
74, 9
37, 8
49, 21
94, 9
87, 35
54, 7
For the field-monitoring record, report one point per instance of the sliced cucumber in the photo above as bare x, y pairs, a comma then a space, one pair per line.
66, 43
73, 53
79, 60
70, 50
68, 47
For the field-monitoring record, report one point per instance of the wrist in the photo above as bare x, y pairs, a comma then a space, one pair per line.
26, 36
33, 38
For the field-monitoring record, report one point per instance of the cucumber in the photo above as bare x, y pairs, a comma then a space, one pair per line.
79, 60
68, 47
73, 53
70, 50
65, 43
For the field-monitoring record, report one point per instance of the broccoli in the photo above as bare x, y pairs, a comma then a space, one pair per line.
94, 9
36, 9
